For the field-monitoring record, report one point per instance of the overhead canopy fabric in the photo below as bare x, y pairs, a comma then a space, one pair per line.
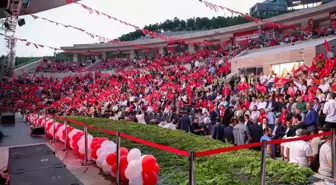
36, 6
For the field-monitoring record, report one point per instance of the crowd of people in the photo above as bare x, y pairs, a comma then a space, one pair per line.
59, 66
198, 98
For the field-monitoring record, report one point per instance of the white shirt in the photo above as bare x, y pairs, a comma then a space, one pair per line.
262, 105
330, 110
325, 156
141, 118
285, 145
271, 78
299, 151
324, 87
253, 104
254, 114
197, 63
263, 79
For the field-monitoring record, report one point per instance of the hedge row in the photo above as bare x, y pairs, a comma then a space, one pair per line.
233, 168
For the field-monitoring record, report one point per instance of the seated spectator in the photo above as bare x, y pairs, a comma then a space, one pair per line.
325, 168
300, 152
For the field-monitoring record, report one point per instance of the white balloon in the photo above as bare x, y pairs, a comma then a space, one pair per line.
107, 142
109, 148
99, 151
90, 137
81, 142
101, 159
134, 154
136, 181
106, 168
133, 169
81, 150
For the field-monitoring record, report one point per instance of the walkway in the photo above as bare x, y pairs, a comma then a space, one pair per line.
18, 135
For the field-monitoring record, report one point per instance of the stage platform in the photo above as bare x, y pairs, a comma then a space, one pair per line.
18, 135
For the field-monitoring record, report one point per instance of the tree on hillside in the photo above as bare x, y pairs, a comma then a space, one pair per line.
191, 24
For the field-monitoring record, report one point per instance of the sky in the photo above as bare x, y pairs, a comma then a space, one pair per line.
136, 12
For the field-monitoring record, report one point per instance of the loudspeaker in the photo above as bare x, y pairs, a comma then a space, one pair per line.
24, 164
21, 22
8, 118
3, 4
1, 135
29, 151
48, 176
37, 131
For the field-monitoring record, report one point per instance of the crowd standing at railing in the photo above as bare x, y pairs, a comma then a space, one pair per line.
200, 100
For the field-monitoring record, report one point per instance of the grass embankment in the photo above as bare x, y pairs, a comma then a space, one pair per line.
233, 168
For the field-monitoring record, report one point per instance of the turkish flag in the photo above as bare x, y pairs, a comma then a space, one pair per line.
326, 45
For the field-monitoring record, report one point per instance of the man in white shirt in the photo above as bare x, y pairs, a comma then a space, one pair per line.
271, 79
300, 152
325, 159
262, 104
253, 103
323, 86
263, 78
254, 113
197, 64
329, 110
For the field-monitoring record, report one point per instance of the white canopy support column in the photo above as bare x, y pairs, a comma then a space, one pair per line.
75, 57
104, 55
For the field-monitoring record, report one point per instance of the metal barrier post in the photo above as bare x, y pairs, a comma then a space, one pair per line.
191, 168
65, 135
23, 115
118, 157
38, 116
45, 120
263, 163
54, 130
86, 145
333, 153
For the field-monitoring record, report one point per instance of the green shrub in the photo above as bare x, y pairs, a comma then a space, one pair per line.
237, 167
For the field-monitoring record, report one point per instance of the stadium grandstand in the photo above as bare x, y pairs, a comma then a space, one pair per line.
252, 103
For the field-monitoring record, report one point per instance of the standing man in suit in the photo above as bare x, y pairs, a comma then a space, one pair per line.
247, 120
218, 131
278, 131
311, 117
256, 132
228, 131
184, 122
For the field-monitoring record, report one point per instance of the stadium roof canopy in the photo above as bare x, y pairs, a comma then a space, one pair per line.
36, 6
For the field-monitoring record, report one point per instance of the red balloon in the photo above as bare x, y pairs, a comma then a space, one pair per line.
122, 174
123, 151
156, 168
93, 143
94, 154
103, 139
148, 163
111, 159
96, 147
149, 178
123, 161
114, 169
